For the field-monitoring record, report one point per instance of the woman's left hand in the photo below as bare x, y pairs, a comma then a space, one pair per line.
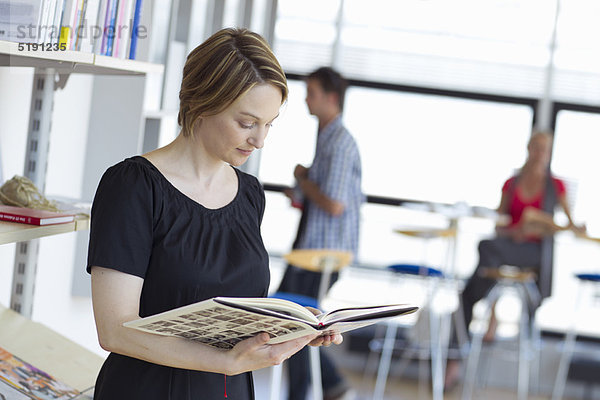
327, 339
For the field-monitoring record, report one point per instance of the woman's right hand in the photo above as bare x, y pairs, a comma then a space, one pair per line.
254, 353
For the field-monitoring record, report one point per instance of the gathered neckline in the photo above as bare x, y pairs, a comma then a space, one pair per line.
186, 197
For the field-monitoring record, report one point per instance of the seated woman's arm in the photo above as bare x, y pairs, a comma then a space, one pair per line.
562, 200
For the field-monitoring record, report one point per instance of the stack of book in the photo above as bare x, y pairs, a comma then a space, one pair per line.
104, 27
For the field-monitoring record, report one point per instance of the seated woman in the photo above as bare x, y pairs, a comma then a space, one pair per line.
529, 199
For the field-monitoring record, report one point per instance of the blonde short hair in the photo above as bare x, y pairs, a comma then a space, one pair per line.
223, 68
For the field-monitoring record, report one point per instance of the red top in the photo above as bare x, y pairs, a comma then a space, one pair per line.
517, 204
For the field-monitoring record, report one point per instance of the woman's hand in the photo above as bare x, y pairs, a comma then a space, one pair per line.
327, 340
254, 353
324, 339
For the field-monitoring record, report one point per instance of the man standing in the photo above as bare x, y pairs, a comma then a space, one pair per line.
330, 195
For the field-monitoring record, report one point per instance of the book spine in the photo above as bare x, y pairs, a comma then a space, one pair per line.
80, 34
106, 24
19, 219
100, 25
55, 29
63, 34
111, 28
125, 35
91, 29
119, 28
21, 21
134, 29
76, 22
50, 22
73, 21
43, 26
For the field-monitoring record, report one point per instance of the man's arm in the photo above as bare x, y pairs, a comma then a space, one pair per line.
314, 194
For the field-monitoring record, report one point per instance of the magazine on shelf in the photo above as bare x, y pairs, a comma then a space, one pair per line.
222, 322
22, 381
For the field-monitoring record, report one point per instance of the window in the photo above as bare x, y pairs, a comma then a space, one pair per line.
413, 146
575, 159
291, 140
436, 148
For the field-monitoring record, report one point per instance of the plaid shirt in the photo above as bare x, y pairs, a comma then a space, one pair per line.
336, 170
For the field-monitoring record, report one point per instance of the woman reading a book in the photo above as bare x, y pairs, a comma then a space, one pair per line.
181, 224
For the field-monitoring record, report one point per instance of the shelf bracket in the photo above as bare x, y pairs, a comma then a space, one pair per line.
61, 81
36, 159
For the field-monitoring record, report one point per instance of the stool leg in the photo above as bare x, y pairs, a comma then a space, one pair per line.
445, 331
385, 360
372, 358
435, 340
315, 372
567, 353
276, 375
536, 345
422, 390
524, 345
475, 350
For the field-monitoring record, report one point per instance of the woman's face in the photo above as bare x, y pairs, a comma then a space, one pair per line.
233, 134
540, 149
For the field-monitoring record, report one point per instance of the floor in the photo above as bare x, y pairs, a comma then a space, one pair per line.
397, 387
72, 317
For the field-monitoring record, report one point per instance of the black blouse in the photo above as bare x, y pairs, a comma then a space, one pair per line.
142, 225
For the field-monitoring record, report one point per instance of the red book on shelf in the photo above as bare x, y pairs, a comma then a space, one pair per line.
32, 216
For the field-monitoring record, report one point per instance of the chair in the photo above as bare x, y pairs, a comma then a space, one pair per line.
439, 334
315, 365
523, 283
439, 325
586, 281
327, 262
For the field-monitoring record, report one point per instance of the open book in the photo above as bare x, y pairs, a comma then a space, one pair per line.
222, 322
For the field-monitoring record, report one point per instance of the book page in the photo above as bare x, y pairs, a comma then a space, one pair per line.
220, 325
365, 313
341, 327
285, 307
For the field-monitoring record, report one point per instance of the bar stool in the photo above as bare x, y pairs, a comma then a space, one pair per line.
522, 282
315, 365
317, 260
439, 329
439, 325
585, 282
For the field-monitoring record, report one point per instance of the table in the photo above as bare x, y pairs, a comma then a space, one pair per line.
320, 260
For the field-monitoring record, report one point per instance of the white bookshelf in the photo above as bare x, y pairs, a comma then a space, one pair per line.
52, 69
11, 232
69, 61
